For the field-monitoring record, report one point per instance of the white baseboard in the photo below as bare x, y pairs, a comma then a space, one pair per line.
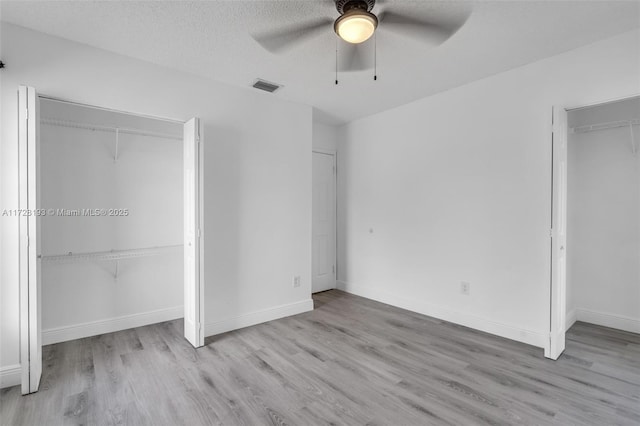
11, 375
257, 317
109, 325
508, 331
572, 317
618, 322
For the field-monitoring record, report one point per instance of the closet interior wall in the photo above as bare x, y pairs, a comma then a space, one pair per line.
86, 290
603, 227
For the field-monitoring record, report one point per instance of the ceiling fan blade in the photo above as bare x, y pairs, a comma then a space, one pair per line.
354, 57
283, 39
431, 32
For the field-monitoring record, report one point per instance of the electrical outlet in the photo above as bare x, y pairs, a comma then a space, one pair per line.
296, 281
465, 288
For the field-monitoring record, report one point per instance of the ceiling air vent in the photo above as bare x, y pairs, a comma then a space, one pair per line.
266, 86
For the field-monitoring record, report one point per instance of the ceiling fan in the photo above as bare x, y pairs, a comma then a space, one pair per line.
356, 24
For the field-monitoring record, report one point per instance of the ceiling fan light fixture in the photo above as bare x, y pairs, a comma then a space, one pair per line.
356, 26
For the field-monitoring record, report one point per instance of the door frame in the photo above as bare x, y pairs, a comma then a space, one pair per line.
30, 315
555, 344
334, 154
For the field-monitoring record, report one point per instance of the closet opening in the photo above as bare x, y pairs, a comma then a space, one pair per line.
113, 238
596, 229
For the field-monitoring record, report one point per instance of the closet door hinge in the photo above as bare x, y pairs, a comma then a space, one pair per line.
199, 233
26, 114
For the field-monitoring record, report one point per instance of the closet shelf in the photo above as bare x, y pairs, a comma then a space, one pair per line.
113, 255
96, 127
612, 125
604, 126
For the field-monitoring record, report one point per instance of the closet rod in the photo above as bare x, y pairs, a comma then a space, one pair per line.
97, 127
112, 255
604, 126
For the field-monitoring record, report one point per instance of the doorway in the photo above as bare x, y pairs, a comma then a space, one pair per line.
324, 221
595, 219
114, 203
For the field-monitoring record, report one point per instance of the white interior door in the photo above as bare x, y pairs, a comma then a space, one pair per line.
324, 222
29, 224
193, 294
557, 326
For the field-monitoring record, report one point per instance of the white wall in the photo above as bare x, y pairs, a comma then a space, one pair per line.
603, 226
257, 177
78, 171
456, 187
325, 136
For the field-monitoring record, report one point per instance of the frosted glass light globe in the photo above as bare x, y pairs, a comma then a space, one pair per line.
356, 26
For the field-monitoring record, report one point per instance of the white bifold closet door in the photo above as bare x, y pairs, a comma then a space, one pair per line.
29, 251
557, 317
193, 297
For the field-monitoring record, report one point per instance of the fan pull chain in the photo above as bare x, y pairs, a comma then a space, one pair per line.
375, 57
336, 61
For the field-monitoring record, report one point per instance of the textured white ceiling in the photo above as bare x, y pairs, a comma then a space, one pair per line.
212, 39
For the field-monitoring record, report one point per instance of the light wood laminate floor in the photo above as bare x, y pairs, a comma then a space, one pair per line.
351, 361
